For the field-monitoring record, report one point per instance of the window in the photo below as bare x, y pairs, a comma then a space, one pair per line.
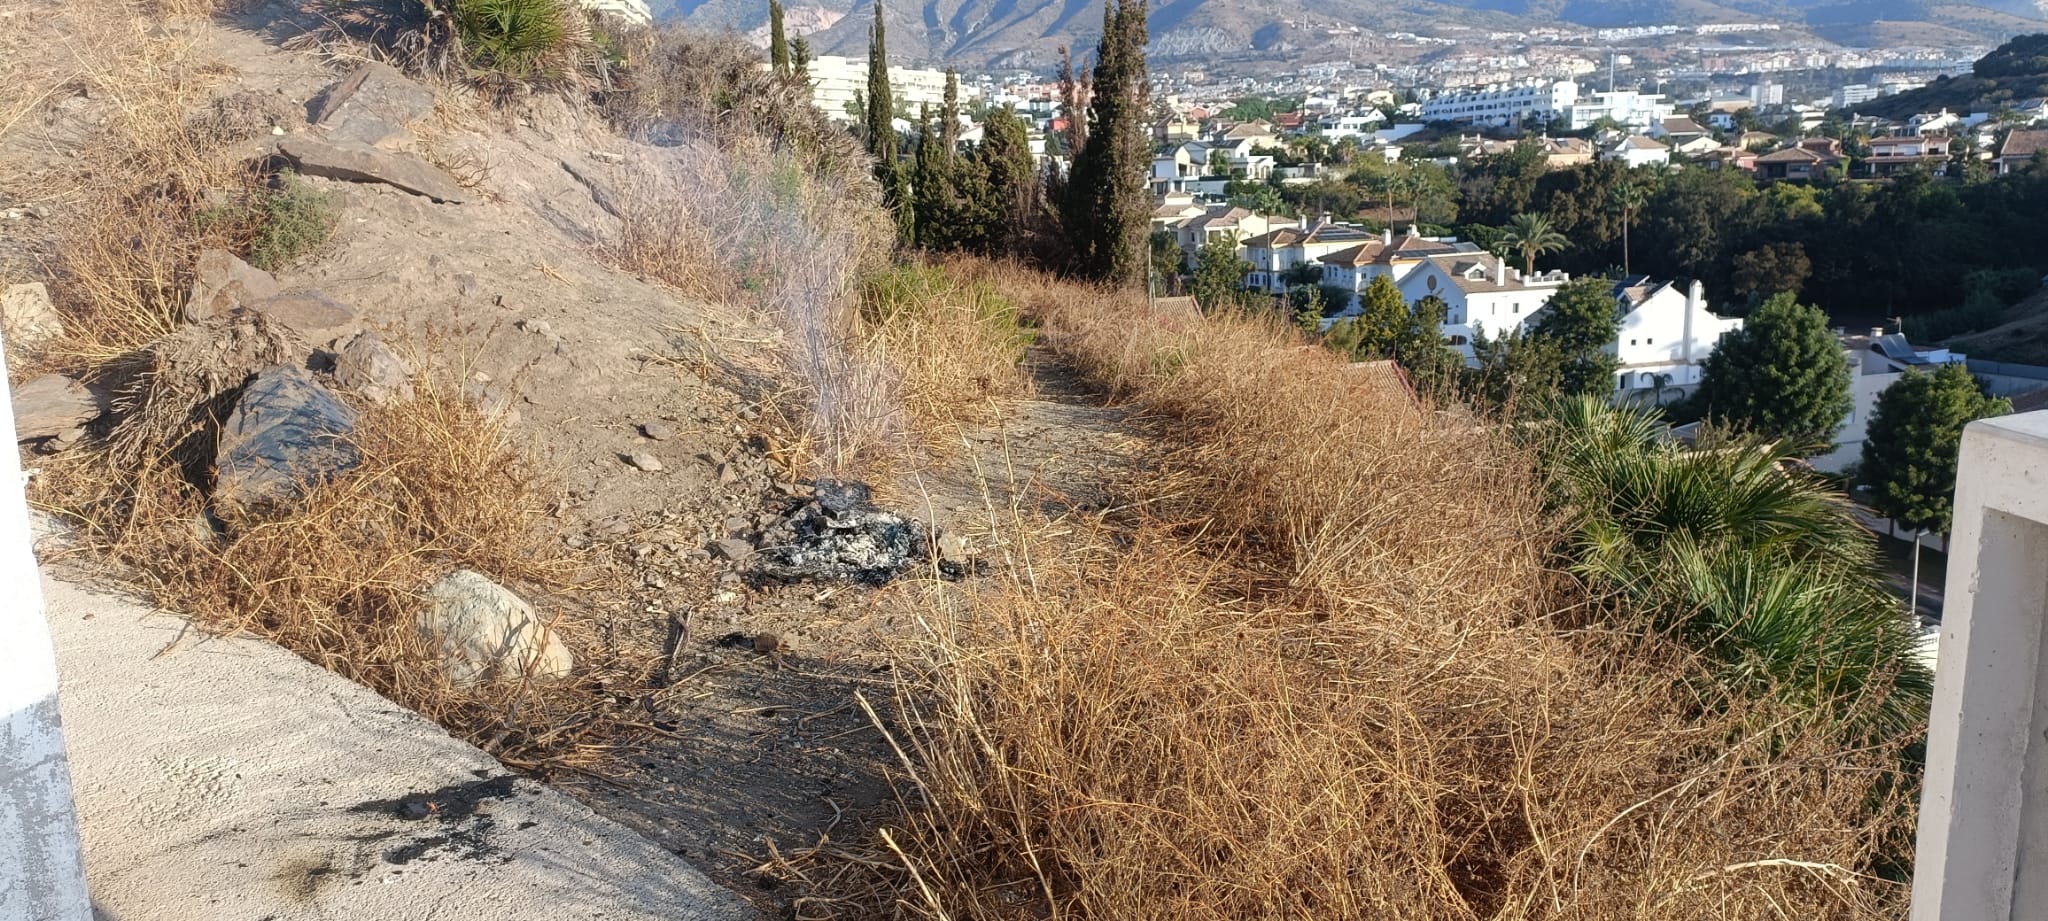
1649, 342
1518, 307
1631, 342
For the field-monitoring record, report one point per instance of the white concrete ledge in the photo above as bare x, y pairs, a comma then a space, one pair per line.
229, 780
1983, 841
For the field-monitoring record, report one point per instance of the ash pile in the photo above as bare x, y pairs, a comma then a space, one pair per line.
838, 535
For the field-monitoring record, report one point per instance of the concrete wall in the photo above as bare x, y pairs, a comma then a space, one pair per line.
41, 874
1983, 843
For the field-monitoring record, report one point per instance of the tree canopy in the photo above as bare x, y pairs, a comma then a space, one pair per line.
1909, 454
1781, 376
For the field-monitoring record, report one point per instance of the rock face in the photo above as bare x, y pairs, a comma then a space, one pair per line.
287, 433
28, 316
54, 406
369, 366
309, 313
371, 106
482, 631
221, 283
355, 162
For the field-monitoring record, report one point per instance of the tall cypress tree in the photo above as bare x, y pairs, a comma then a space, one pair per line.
881, 132
1106, 212
1013, 180
949, 130
930, 188
778, 43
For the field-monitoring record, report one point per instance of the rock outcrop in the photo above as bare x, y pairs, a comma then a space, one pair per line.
286, 434
311, 314
54, 406
483, 631
371, 106
351, 161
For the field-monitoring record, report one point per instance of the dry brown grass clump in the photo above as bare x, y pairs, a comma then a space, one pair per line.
339, 579
957, 344
1320, 674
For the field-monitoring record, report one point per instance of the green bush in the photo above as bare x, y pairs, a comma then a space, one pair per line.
522, 39
291, 221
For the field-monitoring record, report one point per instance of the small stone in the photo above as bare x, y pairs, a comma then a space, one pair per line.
536, 327
484, 631
732, 549
467, 285
955, 548
313, 314
28, 316
371, 367
644, 461
575, 541
767, 643
659, 431
222, 282
727, 475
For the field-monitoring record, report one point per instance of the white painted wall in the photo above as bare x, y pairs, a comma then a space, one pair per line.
1669, 333
1983, 842
42, 876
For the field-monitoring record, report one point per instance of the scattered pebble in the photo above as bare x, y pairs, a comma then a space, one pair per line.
644, 461
659, 431
728, 475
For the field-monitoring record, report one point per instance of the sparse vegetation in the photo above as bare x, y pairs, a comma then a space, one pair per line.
956, 344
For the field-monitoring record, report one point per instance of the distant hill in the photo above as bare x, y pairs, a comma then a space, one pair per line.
1027, 33
2014, 71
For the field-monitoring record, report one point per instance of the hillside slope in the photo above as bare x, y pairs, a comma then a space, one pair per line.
1027, 33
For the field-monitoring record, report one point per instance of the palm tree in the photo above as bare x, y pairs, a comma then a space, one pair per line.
1738, 555
1628, 197
1532, 236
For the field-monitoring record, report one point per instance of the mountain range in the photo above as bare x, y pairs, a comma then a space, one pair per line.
1028, 33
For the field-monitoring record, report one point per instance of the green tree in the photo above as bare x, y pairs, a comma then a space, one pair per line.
1771, 269
1781, 376
1383, 320
1530, 235
778, 44
881, 132
1011, 180
1108, 207
1513, 374
1167, 260
1909, 456
1219, 273
1307, 303
1433, 367
949, 117
800, 59
1582, 320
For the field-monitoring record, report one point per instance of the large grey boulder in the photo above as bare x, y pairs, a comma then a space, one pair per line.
28, 317
371, 106
54, 406
370, 367
482, 631
221, 283
286, 434
311, 314
351, 161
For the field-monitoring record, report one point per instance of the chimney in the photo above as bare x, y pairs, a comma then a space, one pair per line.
1500, 272
1877, 332
1301, 219
1325, 221
1387, 235
1695, 296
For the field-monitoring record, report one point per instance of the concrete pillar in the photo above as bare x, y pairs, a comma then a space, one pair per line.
42, 875
1983, 841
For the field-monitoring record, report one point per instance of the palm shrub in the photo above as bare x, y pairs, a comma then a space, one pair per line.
1758, 566
524, 40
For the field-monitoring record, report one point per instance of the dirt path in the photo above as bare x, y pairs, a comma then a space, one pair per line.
762, 753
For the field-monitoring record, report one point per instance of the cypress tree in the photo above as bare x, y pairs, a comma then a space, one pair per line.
949, 129
929, 188
778, 44
800, 58
1106, 213
881, 132
1011, 175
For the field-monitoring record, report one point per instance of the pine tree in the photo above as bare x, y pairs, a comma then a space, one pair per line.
778, 44
1432, 366
1107, 213
1383, 319
1782, 376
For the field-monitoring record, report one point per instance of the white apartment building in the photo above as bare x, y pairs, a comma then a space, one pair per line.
1482, 294
1633, 110
633, 11
1534, 102
1273, 253
1856, 94
836, 80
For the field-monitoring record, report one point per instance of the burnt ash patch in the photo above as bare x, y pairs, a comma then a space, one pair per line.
839, 535
461, 826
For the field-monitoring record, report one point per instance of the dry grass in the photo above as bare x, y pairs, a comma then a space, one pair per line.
1320, 672
956, 345
339, 579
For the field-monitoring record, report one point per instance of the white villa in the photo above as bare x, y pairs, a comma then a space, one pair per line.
1482, 294
1666, 336
1273, 253
1355, 267
1875, 362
